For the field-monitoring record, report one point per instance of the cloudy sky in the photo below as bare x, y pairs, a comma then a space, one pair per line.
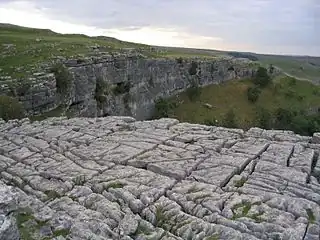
265, 26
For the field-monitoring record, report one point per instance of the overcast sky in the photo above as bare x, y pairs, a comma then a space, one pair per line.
265, 26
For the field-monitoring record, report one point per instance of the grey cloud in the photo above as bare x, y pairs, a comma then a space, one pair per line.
262, 24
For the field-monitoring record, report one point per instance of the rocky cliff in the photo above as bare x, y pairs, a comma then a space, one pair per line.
122, 84
118, 178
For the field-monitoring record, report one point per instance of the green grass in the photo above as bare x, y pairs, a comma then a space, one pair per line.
36, 46
25, 50
300, 67
115, 185
311, 217
233, 95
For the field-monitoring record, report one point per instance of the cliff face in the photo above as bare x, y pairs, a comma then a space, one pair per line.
128, 85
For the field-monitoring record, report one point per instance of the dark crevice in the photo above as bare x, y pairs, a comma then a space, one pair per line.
305, 232
254, 159
290, 156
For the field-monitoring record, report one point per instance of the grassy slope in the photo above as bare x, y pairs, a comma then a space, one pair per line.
27, 52
33, 47
233, 95
301, 67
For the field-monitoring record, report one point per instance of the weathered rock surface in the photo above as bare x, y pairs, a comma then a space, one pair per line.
123, 84
118, 178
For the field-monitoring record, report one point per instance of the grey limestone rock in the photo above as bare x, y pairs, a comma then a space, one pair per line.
119, 178
126, 84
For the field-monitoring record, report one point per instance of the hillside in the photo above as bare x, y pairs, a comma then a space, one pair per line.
300, 98
26, 50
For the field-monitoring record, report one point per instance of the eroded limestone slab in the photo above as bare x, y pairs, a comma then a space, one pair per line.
117, 178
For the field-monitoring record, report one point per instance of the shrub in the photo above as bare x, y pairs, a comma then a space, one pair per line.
290, 93
63, 78
194, 91
10, 108
230, 119
263, 118
253, 94
102, 88
292, 81
271, 69
262, 78
179, 60
283, 117
121, 88
163, 108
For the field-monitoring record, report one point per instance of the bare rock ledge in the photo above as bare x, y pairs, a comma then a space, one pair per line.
118, 178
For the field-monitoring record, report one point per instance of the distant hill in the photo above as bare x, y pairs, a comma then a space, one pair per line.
25, 48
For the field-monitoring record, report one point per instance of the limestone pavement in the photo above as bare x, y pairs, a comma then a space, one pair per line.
118, 178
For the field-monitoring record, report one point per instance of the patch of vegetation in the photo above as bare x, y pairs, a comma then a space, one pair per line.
214, 237
245, 207
164, 108
194, 91
179, 60
160, 217
102, 89
62, 233
25, 232
126, 100
52, 194
57, 112
230, 119
262, 78
311, 217
79, 180
193, 68
10, 108
63, 78
263, 118
115, 185
239, 183
121, 88
253, 94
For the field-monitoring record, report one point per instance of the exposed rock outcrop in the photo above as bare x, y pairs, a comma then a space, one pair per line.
124, 84
118, 178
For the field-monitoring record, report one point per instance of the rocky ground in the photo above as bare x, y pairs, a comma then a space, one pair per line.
117, 178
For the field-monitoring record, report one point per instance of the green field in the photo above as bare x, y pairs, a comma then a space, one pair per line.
285, 93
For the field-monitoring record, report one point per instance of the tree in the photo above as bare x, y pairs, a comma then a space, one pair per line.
283, 118
253, 94
262, 78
